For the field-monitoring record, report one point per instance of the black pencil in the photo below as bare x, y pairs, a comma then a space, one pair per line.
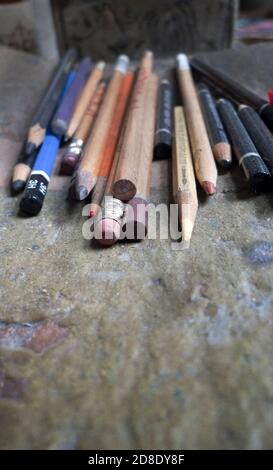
41, 121
163, 129
216, 132
256, 172
259, 133
235, 89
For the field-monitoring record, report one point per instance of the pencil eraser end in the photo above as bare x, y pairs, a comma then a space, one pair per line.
107, 232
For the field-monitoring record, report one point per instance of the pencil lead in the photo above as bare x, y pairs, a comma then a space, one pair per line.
17, 186
81, 193
208, 187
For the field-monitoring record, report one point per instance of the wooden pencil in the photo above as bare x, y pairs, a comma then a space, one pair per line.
111, 142
184, 187
136, 217
235, 89
127, 171
87, 172
204, 163
216, 132
85, 98
73, 152
40, 122
108, 220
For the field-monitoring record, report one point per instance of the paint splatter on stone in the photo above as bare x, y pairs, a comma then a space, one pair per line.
38, 337
260, 253
11, 388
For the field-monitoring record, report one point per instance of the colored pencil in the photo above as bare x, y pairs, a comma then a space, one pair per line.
259, 133
85, 99
163, 128
235, 89
108, 220
111, 142
136, 217
40, 122
124, 187
246, 153
184, 187
204, 163
36, 187
216, 132
74, 150
86, 175
64, 112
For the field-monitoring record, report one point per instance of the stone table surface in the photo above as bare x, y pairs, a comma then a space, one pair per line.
138, 346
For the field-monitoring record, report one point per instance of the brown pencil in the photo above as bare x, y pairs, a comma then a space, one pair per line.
73, 152
87, 172
127, 171
184, 187
136, 217
85, 98
111, 143
204, 163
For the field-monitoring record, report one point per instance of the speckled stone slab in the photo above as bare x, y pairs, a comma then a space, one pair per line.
138, 346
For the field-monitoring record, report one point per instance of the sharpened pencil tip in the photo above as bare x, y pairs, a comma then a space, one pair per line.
81, 192
17, 186
30, 147
225, 163
209, 188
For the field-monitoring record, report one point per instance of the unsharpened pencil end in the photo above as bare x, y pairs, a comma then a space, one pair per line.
30, 205
182, 61
122, 63
59, 127
108, 232
81, 193
209, 188
17, 186
100, 65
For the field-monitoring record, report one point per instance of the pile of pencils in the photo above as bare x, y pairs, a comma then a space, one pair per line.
113, 129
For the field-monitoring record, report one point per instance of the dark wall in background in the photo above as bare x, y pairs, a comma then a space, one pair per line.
104, 28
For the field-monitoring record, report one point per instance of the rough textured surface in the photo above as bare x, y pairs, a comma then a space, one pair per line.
109, 27
138, 346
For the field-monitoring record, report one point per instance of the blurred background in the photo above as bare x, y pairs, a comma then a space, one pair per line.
104, 28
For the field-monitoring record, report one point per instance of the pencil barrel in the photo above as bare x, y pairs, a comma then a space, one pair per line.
246, 153
125, 184
204, 163
63, 114
163, 128
259, 133
37, 185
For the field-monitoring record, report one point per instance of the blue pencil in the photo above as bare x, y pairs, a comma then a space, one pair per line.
36, 187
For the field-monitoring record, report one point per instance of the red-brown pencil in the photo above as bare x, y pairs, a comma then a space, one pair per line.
127, 171
111, 143
87, 172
